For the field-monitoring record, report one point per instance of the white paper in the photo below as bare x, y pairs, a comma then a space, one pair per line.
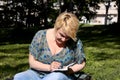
64, 68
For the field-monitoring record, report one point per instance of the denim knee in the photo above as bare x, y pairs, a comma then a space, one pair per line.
26, 75
56, 76
18, 76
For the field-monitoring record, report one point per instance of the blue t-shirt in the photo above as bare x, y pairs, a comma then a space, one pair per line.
39, 48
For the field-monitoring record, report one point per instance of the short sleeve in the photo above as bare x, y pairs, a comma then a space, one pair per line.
36, 42
79, 53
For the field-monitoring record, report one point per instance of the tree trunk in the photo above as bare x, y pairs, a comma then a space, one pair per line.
118, 11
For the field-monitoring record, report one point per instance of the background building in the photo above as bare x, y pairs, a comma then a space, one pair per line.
101, 13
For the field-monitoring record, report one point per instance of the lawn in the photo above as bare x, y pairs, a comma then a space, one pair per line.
102, 50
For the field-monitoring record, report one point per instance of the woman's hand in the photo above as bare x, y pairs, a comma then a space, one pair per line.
55, 65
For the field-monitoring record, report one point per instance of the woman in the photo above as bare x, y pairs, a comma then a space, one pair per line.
54, 48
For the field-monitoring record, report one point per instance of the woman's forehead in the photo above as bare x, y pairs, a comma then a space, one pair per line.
63, 33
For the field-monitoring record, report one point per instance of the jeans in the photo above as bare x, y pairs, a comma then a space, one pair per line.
31, 75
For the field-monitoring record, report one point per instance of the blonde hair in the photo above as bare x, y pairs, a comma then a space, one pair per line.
69, 24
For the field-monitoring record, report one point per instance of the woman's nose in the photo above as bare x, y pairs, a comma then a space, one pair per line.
63, 39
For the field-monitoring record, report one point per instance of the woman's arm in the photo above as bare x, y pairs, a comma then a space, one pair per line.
76, 68
41, 66
38, 65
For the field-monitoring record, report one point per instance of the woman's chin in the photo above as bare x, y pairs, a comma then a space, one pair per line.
59, 42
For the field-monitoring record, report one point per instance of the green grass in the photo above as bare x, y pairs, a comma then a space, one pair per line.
103, 63
102, 51
13, 59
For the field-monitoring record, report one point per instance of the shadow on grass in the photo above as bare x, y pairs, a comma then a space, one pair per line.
8, 68
15, 50
105, 56
88, 33
101, 36
11, 71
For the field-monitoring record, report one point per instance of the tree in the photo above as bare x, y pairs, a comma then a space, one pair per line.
118, 4
118, 9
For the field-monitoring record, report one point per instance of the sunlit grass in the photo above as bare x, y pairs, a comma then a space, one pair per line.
13, 58
103, 60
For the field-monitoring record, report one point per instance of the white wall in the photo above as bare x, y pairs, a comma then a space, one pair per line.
100, 17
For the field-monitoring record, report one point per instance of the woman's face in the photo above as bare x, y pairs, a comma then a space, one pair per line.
61, 37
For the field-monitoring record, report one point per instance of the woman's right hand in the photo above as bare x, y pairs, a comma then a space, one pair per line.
55, 65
